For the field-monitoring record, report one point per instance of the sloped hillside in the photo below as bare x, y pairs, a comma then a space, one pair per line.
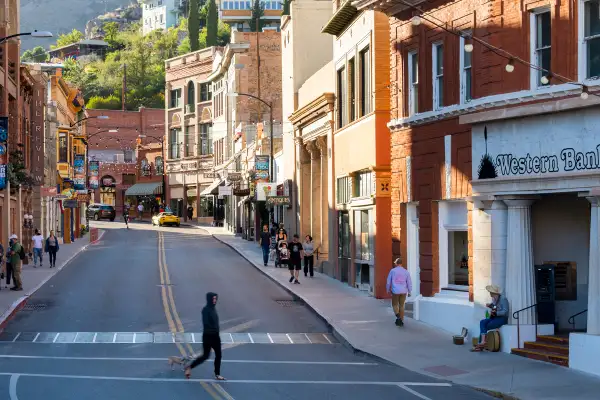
61, 16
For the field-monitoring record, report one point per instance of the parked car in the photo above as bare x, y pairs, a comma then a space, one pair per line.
166, 218
101, 211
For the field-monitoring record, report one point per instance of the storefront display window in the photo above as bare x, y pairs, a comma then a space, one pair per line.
206, 206
343, 244
458, 261
363, 237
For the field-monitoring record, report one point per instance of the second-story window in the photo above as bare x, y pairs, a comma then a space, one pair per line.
205, 139
174, 137
175, 98
191, 96
438, 76
188, 142
466, 72
365, 82
352, 89
363, 184
592, 38
128, 156
413, 83
158, 165
205, 93
541, 42
342, 97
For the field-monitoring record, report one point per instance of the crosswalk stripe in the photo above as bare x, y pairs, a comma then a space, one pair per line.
164, 337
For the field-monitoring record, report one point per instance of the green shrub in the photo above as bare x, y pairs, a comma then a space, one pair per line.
111, 102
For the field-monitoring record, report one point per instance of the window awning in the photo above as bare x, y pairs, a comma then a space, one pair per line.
212, 189
144, 189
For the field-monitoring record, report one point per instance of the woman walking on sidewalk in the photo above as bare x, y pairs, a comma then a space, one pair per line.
52, 248
309, 258
399, 286
38, 248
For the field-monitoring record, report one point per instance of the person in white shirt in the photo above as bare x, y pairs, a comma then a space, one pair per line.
140, 208
38, 248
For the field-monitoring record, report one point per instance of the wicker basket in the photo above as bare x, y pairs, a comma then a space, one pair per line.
458, 340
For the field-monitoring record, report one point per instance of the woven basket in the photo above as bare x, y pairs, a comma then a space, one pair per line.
458, 340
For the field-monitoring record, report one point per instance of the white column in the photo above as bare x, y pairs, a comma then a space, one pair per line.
519, 288
324, 201
593, 314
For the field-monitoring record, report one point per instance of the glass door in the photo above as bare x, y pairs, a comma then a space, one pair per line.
344, 245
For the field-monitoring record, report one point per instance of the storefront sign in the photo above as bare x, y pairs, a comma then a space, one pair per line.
189, 166
241, 192
211, 175
2, 176
278, 200
83, 198
537, 146
264, 190
261, 165
79, 171
225, 190
94, 170
252, 189
234, 176
48, 191
37, 134
3, 150
108, 181
69, 203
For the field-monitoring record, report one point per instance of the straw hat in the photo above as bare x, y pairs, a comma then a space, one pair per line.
493, 289
13, 236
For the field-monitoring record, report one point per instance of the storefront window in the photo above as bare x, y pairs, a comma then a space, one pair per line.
158, 165
363, 239
458, 261
206, 206
62, 149
344, 244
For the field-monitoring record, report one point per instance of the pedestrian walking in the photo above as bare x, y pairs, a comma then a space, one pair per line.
38, 248
280, 239
52, 248
140, 209
16, 254
211, 338
399, 286
309, 256
296, 254
265, 243
2, 265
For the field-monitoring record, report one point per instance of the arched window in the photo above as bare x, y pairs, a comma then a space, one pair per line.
145, 167
158, 165
191, 98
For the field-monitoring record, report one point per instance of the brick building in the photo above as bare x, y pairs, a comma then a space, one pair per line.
495, 167
112, 142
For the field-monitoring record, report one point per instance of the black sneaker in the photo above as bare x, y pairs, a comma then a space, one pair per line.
297, 282
398, 322
291, 279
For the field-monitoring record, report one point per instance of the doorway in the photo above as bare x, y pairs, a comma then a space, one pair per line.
412, 246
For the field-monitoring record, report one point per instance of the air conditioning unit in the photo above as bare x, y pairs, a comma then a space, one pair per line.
189, 108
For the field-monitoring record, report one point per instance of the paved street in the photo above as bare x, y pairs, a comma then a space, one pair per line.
103, 329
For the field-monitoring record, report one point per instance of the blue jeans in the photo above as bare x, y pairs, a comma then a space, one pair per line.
37, 253
488, 324
266, 250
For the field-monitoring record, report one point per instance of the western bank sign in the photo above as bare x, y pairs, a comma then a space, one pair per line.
567, 160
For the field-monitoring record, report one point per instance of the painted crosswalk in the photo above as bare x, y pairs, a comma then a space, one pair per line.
164, 337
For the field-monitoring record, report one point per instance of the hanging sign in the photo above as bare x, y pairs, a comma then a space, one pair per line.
278, 200
94, 169
48, 191
265, 189
79, 171
69, 203
225, 190
2, 176
234, 176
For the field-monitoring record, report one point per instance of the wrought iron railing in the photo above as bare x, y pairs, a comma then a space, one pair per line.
516, 316
572, 318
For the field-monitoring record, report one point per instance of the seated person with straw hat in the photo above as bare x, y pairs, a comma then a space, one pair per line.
498, 315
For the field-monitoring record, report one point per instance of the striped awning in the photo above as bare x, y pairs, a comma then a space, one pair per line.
144, 189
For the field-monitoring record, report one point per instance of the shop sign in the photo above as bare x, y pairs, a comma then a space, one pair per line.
69, 203
211, 175
225, 190
2, 176
264, 190
173, 167
278, 200
83, 198
189, 166
94, 169
37, 135
241, 192
108, 181
261, 163
262, 175
234, 176
79, 171
48, 191
252, 189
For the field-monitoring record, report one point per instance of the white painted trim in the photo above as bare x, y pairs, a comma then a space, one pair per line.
582, 51
408, 170
412, 248
436, 87
533, 73
413, 106
448, 163
443, 243
461, 71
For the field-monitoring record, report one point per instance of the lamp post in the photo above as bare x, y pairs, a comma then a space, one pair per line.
86, 118
162, 151
37, 34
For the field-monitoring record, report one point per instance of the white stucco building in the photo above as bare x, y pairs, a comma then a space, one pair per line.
159, 14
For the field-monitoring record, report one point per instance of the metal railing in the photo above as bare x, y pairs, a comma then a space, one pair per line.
516, 316
572, 318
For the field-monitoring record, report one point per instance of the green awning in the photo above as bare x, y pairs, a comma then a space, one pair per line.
144, 189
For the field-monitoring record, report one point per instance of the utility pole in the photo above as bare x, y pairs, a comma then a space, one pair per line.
124, 88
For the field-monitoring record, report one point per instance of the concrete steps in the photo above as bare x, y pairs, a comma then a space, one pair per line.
552, 349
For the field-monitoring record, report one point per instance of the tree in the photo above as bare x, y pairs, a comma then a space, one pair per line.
38, 54
223, 36
212, 24
258, 11
111, 32
194, 25
66, 39
286, 7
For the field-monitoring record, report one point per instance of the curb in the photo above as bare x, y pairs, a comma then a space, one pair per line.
20, 303
342, 337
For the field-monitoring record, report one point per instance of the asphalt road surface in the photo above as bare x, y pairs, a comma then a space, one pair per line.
104, 327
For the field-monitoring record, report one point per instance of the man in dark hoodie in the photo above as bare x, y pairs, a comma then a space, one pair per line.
211, 338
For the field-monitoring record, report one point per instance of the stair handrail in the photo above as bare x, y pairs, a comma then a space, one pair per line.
571, 319
516, 316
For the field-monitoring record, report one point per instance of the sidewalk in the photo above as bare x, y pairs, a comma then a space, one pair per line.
34, 278
366, 324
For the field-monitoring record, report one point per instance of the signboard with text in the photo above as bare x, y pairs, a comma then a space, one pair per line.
37, 134
278, 200
264, 190
79, 171
94, 170
48, 191
3, 151
261, 165
225, 190
2, 176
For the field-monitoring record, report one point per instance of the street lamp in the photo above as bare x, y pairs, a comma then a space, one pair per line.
86, 118
270, 105
36, 34
162, 150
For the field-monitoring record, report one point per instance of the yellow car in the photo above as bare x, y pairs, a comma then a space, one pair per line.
165, 218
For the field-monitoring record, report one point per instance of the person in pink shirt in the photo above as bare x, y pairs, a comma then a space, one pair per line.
399, 286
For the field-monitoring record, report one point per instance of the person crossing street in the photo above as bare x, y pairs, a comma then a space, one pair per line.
211, 338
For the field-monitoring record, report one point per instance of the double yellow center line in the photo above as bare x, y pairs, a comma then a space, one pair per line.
175, 325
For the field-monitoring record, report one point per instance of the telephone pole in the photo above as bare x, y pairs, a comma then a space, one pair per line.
124, 88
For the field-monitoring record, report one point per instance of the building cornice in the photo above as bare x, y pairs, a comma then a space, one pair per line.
388, 7
311, 111
230, 51
341, 19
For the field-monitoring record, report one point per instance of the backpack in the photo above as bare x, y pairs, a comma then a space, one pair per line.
22, 255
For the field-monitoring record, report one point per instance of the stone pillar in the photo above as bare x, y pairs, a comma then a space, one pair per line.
324, 201
303, 189
315, 191
519, 287
593, 314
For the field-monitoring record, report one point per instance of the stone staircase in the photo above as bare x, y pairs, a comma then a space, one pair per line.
552, 349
